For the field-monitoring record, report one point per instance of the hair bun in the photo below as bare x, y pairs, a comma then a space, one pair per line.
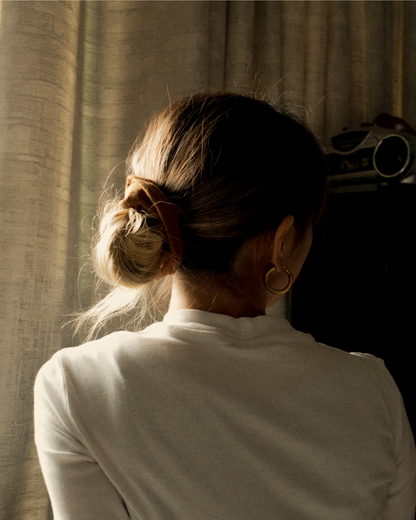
129, 251
143, 194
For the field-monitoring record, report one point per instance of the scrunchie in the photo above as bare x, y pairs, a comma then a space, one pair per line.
144, 194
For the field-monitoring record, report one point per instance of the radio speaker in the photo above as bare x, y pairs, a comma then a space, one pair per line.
371, 155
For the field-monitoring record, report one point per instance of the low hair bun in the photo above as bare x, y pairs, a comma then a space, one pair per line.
129, 249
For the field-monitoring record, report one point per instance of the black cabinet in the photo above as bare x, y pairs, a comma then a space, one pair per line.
357, 290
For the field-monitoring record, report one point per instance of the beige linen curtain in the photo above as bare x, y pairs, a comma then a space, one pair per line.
79, 80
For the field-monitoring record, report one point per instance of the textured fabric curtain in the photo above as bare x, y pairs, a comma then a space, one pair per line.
79, 80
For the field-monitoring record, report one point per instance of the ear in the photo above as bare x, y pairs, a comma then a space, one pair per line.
283, 242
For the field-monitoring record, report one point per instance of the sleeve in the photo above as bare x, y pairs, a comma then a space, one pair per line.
402, 494
401, 500
77, 485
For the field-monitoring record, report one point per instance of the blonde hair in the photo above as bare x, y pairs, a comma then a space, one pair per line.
235, 166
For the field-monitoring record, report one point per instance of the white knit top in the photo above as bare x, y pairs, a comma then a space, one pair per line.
208, 417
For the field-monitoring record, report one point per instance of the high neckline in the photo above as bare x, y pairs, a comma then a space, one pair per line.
240, 327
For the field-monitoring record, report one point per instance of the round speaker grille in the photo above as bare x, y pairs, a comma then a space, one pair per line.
392, 156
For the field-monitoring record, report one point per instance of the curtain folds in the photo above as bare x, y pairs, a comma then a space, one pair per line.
38, 70
79, 81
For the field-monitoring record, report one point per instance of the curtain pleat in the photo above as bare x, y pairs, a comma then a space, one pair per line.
409, 62
79, 81
38, 63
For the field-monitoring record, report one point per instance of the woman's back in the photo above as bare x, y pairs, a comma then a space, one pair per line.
211, 417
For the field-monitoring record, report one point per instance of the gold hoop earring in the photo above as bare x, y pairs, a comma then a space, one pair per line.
278, 291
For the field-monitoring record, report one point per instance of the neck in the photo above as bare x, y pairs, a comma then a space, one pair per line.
208, 293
